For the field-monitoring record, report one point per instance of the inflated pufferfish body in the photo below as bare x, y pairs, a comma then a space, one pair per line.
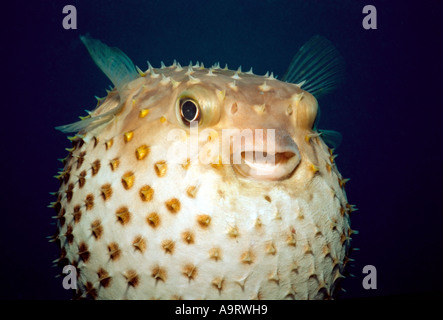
204, 183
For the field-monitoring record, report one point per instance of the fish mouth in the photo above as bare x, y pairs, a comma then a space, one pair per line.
270, 166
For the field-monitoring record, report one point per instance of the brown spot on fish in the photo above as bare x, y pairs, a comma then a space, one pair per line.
114, 164
81, 158
291, 241
233, 232
132, 278
139, 244
204, 220
153, 220
69, 192
168, 246
81, 179
268, 198
190, 271
83, 252
123, 215
161, 168
215, 254
89, 202
69, 236
191, 191
159, 273
97, 229
146, 193
114, 251
270, 248
188, 237
90, 290
96, 140
104, 278
77, 214
218, 283
247, 257
106, 191
128, 180
95, 167
142, 152
173, 205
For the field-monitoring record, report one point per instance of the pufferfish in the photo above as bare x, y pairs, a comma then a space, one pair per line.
205, 183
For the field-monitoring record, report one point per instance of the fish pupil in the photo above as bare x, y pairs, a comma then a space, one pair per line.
189, 111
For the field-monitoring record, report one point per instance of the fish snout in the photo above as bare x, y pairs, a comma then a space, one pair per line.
271, 156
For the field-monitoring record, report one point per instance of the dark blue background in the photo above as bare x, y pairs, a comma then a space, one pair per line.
389, 112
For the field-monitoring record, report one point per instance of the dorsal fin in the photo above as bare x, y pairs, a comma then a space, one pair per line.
118, 68
319, 64
112, 61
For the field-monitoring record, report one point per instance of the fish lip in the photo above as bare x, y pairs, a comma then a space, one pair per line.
285, 162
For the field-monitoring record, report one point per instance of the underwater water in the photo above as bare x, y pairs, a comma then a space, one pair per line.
385, 110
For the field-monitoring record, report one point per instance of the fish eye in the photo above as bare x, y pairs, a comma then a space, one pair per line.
189, 111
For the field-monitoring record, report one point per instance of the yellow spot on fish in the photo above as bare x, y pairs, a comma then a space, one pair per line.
191, 191
168, 246
106, 191
233, 232
159, 273
186, 164
109, 144
114, 164
188, 237
173, 205
247, 257
220, 95
161, 168
143, 113
215, 254
190, 271
153, 219
142, 152
162, 119
204, 220
128, 180
270, 248
218, 283
313, 168
139, 244
146, 193
128, 136
123, 215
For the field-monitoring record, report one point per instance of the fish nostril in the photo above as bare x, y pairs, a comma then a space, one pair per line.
234, 108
